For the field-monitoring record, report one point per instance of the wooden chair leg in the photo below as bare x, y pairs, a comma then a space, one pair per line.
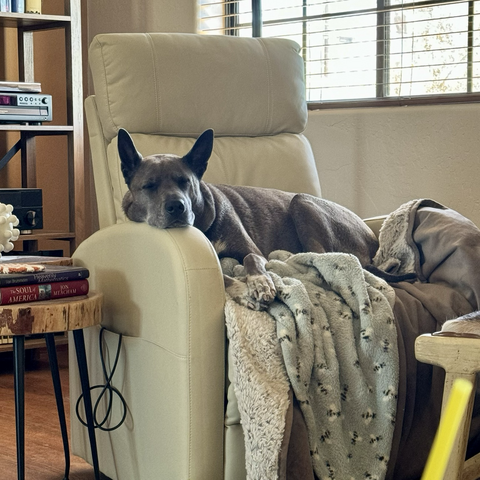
460, 358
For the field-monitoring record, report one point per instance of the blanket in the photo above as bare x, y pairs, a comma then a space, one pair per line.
443, 248
320, 333
335, 325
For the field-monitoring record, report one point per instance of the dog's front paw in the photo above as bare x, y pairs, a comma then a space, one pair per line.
261, 288
240, 293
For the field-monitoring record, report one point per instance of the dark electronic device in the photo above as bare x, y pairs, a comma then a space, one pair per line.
25, 107
27, 206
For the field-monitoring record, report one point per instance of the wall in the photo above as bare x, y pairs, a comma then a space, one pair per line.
109, 16
374, 159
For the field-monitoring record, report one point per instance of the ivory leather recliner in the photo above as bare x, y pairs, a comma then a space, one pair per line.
163, 289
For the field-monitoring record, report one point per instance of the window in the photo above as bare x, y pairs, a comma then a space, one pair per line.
367, 51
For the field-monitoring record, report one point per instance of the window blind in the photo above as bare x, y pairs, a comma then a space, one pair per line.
377, 50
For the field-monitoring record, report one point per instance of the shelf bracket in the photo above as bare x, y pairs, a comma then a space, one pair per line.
10, 154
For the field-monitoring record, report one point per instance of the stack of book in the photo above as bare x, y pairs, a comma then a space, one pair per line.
53, 281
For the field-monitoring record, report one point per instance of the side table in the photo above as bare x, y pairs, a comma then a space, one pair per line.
48, 317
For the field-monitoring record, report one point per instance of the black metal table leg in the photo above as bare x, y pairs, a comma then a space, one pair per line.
87, 400
19, 388
57, 386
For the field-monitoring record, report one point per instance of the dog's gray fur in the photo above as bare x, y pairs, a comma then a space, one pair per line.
245, 223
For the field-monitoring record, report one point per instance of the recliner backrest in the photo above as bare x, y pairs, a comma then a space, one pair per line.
165, 89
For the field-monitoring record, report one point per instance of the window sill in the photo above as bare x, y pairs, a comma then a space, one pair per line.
396, 101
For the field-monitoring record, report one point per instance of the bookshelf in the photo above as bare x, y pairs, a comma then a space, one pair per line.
26, 25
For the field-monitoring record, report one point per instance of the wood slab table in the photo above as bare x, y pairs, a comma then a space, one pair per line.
48, 317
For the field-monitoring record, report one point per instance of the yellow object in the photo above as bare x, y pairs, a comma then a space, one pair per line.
447, 430
33, 6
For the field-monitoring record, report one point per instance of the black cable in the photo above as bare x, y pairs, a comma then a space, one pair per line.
105, 388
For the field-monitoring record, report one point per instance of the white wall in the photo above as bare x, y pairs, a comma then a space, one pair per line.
372, 160
112, 16
127, 16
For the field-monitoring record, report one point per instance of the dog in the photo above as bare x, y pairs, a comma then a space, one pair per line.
245, 223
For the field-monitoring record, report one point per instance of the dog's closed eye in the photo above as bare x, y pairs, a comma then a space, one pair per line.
182, 181
150, 186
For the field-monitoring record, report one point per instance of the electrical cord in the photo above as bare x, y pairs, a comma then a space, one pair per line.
108, 387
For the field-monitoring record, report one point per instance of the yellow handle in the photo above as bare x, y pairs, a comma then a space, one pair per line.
447, 430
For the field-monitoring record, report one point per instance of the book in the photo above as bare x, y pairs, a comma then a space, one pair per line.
52, 273
45, 291
18, 6
5, 6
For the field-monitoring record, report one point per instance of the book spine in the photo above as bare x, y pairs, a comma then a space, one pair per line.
18, 6
33, 6
5, 5
29, 278
47, 291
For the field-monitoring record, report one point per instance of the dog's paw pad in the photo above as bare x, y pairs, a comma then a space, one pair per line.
261, 288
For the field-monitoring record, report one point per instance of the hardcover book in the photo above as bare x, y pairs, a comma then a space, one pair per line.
44, 291
5, 6
18, 6
52, 273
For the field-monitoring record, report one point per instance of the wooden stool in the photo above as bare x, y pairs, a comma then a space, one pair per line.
49, 317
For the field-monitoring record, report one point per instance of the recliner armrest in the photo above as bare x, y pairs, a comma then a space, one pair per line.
163, 289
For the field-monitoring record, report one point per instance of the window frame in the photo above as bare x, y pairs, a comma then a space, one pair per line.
381, 99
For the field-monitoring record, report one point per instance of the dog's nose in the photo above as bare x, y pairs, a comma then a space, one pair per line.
175, 207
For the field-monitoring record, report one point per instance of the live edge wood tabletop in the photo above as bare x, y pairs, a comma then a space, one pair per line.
44, 316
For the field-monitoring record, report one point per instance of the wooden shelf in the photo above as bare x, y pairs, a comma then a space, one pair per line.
33, 21
37, 129
26, 25
46, 236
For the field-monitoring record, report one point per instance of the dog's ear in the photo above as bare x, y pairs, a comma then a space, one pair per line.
129, 156
197, 157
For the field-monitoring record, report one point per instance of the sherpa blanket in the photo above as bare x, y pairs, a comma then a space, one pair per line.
443, 248
338, 350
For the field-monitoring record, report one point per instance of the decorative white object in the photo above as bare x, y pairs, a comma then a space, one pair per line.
8, 233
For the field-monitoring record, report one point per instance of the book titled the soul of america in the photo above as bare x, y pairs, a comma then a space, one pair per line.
44, 291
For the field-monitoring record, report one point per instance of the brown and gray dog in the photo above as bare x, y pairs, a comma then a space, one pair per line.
245, 223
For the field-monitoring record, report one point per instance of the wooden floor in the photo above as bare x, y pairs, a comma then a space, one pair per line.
44, 458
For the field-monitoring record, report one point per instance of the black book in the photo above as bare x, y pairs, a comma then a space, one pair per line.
52, 273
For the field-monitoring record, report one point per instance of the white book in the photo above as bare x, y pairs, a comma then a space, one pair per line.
5, 5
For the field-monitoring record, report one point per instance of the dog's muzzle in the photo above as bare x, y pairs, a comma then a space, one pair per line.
178, 214
175, 208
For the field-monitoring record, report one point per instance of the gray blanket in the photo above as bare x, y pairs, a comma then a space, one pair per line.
443, 248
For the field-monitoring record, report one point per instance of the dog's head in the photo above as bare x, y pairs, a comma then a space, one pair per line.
163, 189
